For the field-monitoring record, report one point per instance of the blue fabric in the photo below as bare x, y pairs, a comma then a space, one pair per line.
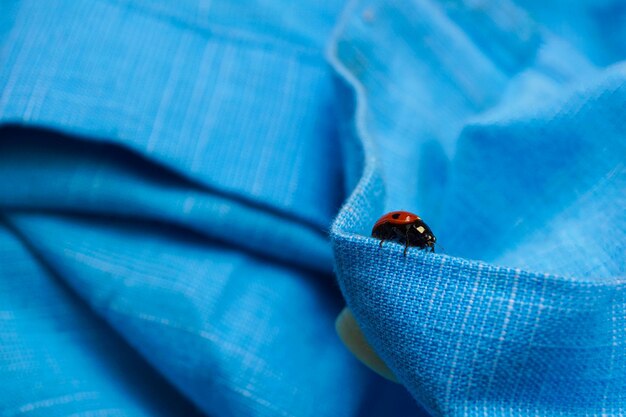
171, 170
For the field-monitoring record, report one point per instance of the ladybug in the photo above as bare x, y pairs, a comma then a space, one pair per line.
404, 227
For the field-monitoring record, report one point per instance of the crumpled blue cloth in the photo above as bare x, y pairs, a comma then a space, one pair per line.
171, 171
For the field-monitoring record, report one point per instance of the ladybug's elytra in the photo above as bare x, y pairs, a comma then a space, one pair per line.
404, 227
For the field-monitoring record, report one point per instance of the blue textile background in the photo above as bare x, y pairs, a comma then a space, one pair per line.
171, 170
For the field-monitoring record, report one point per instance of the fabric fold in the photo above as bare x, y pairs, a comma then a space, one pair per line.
468, 337
170, 174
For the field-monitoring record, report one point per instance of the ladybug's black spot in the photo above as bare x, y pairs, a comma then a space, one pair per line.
395, 216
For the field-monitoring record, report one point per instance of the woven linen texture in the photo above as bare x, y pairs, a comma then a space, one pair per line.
170, 173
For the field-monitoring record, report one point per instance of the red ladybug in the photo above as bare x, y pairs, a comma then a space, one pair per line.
404, 227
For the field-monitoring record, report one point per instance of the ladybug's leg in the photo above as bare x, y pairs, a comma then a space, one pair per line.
385, 236
406, 241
